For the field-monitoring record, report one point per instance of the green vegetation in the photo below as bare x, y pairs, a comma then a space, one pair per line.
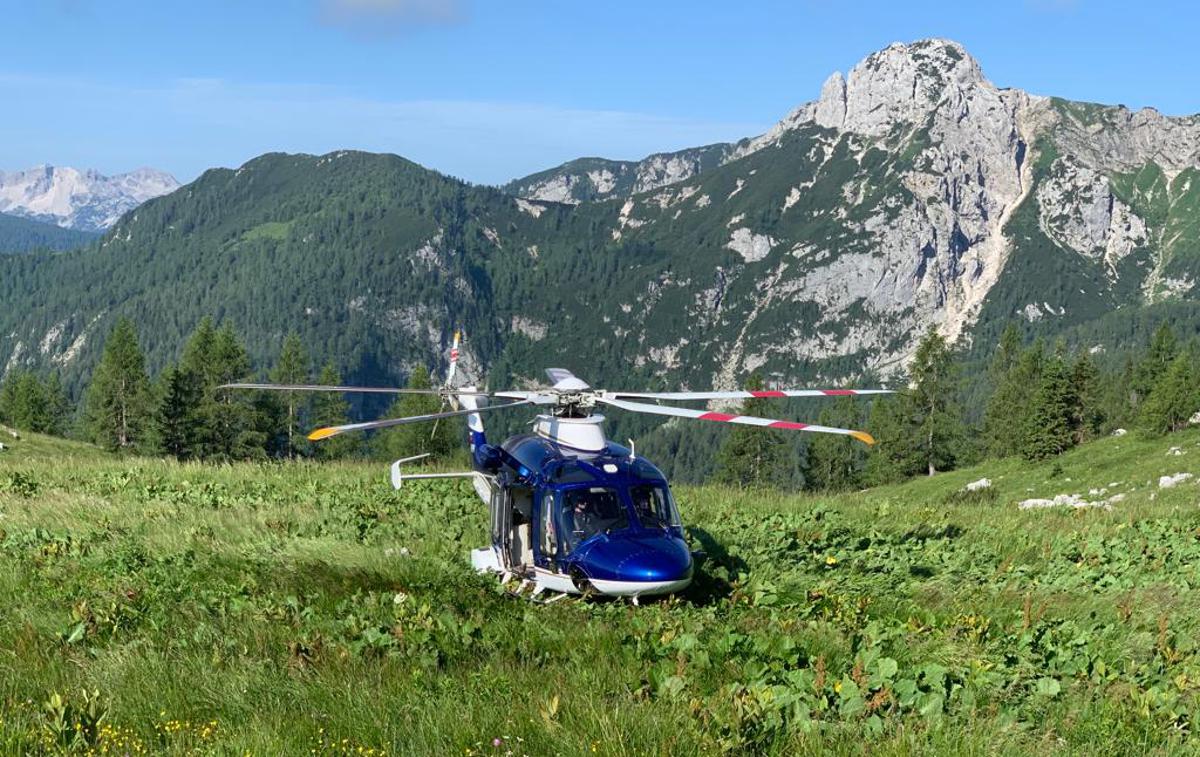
19, 235
117, 412
439, 440
272, 609
31, 403
753, 457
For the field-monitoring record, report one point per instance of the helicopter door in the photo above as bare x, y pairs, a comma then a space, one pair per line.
521, 541
501, 513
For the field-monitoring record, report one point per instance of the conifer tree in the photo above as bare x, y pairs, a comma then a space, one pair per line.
330, 409
895, 455
179, 400
439, 438
835, 463
58, 406
1086, 417
24, 403
1117, 397
228, 425
1174, 399
292, 368
939, 430
1163, 348
236, 417
1048, 429
1008, 408
118, 409
752, 456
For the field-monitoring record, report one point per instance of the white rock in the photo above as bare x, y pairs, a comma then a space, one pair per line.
1175, 451
1166, 482
752, 247
1120, 432
974, 486
1194, 420
1064, 500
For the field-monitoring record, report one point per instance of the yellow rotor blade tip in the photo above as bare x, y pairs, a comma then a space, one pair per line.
322, 433
863, 437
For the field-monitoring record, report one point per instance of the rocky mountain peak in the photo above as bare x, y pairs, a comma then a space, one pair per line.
902, 83
85, 200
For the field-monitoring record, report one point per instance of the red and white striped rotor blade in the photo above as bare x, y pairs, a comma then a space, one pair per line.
737, 395
749, 420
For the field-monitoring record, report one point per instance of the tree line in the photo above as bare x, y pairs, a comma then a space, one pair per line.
183, 413
1040, 402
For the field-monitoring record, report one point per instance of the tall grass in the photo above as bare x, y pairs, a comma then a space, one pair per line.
285, 608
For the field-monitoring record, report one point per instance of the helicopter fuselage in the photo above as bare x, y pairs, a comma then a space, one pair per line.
578, 521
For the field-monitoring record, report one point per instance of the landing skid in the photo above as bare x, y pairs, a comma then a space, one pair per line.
533, 582
528, 583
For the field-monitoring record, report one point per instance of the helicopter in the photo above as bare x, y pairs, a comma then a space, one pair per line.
570, 511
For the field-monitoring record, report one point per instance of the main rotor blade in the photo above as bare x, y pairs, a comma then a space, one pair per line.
735, 395
354, 389
749, 420
325, 433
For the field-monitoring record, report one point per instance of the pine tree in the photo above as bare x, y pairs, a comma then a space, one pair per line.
179, 399
939, 429
292, 368
118, 407
236, 417
1117, 397
1048, 429
438, 438
24, 403
1008, 408
1163, 349
331, 409
895, 455
1086, 416
835, 463
228, 425
58, 406
752, 456
1174, 399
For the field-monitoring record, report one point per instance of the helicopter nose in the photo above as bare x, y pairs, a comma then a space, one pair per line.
639, 559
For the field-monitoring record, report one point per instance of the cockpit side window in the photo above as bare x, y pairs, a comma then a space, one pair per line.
654, 506
591, 510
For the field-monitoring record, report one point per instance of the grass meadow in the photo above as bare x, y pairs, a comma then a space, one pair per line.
151, 607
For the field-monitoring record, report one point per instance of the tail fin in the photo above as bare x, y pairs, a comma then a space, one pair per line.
453, 359
465, 401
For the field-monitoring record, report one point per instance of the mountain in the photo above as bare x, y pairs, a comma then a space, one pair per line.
911, 193
586, 179
81, 200
914, 191
23, 235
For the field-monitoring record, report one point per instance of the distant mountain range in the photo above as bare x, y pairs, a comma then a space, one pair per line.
911, 193
77, 199
18, 235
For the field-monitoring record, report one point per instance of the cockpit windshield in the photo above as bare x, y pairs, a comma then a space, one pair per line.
654, 507
591, 510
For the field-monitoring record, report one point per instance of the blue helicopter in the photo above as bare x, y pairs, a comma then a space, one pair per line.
570, 511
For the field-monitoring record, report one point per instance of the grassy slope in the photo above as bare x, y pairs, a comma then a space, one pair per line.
297, 606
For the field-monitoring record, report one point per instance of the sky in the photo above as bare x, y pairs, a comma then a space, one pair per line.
490, 90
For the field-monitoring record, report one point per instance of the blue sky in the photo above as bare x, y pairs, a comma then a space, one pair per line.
492, 89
